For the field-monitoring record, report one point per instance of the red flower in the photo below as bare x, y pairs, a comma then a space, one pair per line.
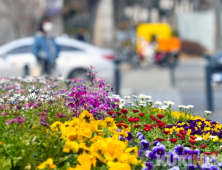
193, 137
216, 153
154, 126
162, 127
135, 110
149, 126
121, 121
131, 119
124, 116
125, 126
208, 153
166, 132
142, 114
158, 120
120, 124
173, 140
146, 129
161, 124
110, 112
203, 146
179, 135
137, 126
192, 146
160, 116
192, 141
118, 113
160, 139
136, 119
183, 132
153, 118
125, 111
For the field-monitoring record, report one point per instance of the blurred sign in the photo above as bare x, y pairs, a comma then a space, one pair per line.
54, 6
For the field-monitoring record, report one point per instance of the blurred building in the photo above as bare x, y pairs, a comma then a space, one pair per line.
19, 18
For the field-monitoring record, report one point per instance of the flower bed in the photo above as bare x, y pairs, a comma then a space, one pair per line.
56, 124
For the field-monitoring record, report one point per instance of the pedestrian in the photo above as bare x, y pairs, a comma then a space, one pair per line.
45, 48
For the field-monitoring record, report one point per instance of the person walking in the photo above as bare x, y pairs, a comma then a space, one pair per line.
45, 48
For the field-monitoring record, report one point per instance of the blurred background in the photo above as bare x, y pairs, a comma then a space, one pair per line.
136, 33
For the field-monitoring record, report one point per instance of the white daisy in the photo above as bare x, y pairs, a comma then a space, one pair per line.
158, 103
126, 97
148, 97
207, 111
190, 106
142, 96
199, 138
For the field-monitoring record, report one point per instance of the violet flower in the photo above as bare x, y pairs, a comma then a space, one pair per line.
148, 166
150, 155
144, 144
159, 151
178, 150
129, 137
191, 167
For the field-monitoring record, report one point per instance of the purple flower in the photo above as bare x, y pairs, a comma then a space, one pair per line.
129, 137
159, 151
10, 121
60, 115
144, 144
140, 152
148, 166
178, 150
213, 160
4, 114
155, 143
191, 167
172, 157
213, 167
196, 152
18, 120
151, 155
43, 123
141, 137
220, 165
187, 152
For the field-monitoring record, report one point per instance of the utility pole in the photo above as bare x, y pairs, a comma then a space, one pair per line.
217, 9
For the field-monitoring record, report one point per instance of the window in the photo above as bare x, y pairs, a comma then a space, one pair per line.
20, 50
68, 48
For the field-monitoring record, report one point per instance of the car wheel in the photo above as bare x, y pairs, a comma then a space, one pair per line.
79, 73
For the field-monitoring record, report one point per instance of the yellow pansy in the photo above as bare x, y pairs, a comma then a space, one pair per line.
205, 137
86, 116
56, 126
118, 166
216, 139
71, 145
48, 163
109, 121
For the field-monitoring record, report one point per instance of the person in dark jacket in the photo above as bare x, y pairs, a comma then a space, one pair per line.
45, 47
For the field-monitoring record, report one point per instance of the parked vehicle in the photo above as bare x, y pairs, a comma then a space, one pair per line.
16, 59
155, 44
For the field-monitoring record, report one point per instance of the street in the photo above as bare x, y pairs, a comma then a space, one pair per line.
189, 86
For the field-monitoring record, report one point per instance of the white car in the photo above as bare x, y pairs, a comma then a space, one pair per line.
16, 59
